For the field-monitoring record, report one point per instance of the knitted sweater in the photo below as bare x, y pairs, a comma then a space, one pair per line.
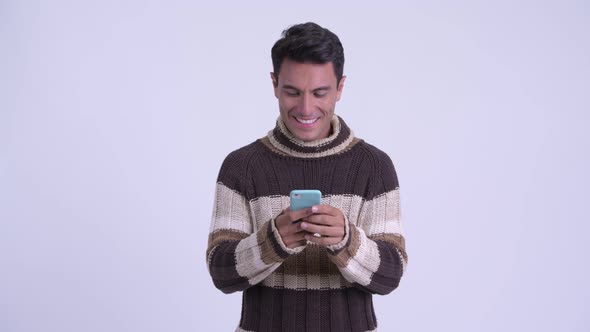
308, 288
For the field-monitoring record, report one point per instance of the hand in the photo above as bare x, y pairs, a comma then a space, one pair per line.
326, 221
289, 227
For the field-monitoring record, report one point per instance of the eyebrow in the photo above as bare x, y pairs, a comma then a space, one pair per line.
321, 88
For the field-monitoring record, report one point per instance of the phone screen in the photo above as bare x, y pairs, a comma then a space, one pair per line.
301, 199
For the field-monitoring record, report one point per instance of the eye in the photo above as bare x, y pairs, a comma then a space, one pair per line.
320, 94
291, 93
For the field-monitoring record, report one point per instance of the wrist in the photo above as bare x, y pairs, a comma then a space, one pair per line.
279, 239
335, 248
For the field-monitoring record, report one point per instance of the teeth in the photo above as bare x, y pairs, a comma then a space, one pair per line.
306, 121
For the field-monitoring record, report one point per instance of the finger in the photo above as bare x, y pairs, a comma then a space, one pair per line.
295, 216
295, 242
286, 228
297, 229
296, 235
322, 241
326, 231
321, 219
288, 216
324, 219
326, 209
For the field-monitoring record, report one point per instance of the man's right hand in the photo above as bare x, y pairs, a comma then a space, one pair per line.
289, 226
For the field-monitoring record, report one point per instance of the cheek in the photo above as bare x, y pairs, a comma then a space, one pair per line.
327, 106
328, 103
286, 105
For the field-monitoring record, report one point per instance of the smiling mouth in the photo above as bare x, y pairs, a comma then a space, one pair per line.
306, 121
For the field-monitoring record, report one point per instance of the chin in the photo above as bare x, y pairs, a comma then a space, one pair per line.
307, 138
312, 134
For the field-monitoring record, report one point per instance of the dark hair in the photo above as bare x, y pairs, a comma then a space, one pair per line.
309, 42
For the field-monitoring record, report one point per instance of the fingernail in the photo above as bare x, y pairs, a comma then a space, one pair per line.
314, 209
303, 225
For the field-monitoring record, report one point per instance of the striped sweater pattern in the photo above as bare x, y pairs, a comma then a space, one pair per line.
308, 288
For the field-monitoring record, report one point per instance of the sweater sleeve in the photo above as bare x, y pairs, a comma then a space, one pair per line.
372, 255
238, 254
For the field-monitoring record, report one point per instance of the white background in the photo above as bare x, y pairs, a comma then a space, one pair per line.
116, 115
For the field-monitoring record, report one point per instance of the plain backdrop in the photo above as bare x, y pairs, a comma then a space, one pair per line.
115, 117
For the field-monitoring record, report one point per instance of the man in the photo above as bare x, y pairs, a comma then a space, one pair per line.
292, 280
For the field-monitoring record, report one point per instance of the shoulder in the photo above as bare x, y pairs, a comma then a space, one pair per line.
245, 153
377, 157
236, 164
379, 164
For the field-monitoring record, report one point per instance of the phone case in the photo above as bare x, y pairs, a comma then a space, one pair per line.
301, 199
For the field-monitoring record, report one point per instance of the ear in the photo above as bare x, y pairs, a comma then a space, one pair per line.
340, 88
275, 83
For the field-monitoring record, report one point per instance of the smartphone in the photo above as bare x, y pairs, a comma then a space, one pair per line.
301, 199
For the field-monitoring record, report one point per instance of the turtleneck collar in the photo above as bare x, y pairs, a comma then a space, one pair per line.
341, 138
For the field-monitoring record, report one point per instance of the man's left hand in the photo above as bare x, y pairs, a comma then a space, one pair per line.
326, 226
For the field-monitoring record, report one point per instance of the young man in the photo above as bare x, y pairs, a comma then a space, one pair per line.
313, 269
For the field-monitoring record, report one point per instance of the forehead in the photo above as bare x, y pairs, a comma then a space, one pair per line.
306, 75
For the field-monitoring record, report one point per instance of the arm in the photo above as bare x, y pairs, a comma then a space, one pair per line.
372, 255
237, 257
371, 261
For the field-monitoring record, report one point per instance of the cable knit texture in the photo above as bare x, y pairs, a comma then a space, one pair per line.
309, 288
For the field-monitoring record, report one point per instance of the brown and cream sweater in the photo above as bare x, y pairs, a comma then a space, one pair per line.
309, 288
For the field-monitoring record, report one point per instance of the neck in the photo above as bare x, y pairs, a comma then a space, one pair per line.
339, 140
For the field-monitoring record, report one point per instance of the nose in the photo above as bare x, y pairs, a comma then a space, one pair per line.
306, 107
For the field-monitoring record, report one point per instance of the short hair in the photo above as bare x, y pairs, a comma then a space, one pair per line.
309, 42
